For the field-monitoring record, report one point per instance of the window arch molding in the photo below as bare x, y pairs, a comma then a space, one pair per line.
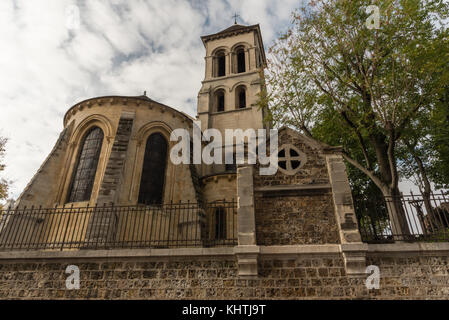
220, 48
74, 145
243, 44
93, 120
151, 127
238, 84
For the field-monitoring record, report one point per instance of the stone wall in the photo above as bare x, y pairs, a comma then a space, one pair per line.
412, 275
40, 189
307, 219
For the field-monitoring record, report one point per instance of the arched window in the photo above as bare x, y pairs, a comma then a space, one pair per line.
240, 97
153, 172
240, 54
220, 223
220, 64
86, 166
219, 100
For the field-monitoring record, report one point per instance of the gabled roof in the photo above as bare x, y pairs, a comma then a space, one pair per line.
234, 30
311, 142
234, 27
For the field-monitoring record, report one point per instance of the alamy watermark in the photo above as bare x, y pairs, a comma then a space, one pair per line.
212, 153
373, 21
73, 280
373, 280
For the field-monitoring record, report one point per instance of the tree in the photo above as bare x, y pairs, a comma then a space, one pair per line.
375, 81
424, 149
3, 183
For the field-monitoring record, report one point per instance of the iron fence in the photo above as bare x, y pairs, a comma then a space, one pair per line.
427, 218
109, 227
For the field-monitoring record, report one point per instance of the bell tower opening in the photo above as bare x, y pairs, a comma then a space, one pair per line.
240, 53
220, 64
219, 100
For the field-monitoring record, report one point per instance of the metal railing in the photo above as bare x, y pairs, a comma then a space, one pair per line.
110, 227
427, 218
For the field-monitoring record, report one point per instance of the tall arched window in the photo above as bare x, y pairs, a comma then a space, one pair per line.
219, 98
86, 166
219, 64
240, 97
240, 53
153, 172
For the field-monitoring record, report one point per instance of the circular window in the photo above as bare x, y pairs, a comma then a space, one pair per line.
290, 159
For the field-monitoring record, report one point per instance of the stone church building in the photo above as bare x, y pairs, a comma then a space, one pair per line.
109, 200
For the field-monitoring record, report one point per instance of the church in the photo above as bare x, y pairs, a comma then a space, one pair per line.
109, 200
114, 153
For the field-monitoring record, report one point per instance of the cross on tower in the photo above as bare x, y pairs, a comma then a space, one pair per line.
235, 16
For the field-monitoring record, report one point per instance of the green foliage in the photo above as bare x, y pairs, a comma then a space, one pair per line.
3, 183
439, 142
428, 136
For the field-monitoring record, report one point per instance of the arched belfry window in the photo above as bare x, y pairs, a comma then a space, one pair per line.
86, 166
219, 64
153, 171
240, 97
219, 98
240, 55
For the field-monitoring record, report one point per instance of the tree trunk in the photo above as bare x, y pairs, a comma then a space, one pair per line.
396, 212
388, 184
426, 192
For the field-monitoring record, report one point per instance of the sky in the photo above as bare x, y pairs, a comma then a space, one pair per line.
56, 53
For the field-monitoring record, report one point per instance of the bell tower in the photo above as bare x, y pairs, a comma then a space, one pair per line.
235, 60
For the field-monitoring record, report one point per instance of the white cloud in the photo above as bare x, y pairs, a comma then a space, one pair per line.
121, 47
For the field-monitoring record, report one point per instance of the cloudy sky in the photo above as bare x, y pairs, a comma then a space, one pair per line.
51, 60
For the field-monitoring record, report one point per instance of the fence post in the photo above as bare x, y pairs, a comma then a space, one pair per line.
67, 226
247, 251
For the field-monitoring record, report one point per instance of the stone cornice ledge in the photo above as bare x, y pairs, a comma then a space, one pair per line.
308, 249
118, 253
426, 248
274, 251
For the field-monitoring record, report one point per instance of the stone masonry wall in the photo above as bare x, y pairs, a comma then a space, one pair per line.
307, 219
407, 277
